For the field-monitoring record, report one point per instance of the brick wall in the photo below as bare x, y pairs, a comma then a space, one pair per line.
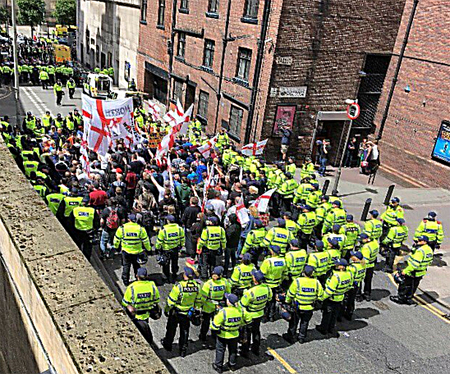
415, 117
328, 41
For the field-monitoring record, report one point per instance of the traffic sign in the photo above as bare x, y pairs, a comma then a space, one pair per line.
353, 111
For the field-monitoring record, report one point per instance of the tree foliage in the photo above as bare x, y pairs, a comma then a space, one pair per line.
4, 14
31, 12
65, 12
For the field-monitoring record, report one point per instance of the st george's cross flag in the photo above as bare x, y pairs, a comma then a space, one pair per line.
254, 149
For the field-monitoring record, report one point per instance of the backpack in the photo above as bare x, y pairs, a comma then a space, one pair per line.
112, 222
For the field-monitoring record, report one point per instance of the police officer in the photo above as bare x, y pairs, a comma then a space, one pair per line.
71, 87
390, 215
183, 299
275, 271
286, 191
227, 323
212, 243
336, 215
279, 236
432, 229
58, 90
320, 261
321, 212
254, 241
54, 200
133, 240
85, 221
307, 168
303, 293
254, 302
393, 242
47, 121
212, 293
373, 227
295, 259
337, 234
43, 76
370, 249
351, 230
358, 269
416, 267
169, 242
29, 123
291, 225
141, 298
307, 221
335, 288
241, 277
69, 203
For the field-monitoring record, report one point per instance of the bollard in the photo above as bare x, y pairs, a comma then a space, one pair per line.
389, 193
325, 186
366, 208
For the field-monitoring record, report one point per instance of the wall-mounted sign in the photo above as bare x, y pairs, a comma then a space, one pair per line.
292, 92
441, 150
284, 60
284, 117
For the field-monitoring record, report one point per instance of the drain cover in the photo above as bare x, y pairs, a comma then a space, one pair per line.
380, 305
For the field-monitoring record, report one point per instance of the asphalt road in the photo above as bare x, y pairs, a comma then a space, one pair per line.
383, 338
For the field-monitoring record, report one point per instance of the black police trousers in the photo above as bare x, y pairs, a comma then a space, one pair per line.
144, 328
83, 241
253, 333
408, 288
221, 346
177, 319
367, 290
172, 264
302, 316
349, 303
390, 258
331, 310
205, 325
128, 260
207, 263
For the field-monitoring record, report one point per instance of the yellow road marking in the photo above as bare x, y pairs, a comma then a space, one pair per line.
281, 360
424, 304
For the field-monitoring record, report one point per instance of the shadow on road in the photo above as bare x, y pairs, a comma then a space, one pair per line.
438, 261
379, 294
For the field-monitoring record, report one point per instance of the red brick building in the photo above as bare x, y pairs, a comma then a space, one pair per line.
421, 98
251, 65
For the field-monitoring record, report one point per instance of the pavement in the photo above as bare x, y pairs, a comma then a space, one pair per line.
383, 337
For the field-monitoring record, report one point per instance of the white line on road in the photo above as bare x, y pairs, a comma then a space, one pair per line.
38, 106
39, 100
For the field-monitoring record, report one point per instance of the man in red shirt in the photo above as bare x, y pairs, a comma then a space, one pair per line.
98, 197
131, 181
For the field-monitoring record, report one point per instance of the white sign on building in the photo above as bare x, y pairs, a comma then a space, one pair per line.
292, 92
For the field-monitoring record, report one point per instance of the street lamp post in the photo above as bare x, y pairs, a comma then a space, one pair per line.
15, 58
347, 138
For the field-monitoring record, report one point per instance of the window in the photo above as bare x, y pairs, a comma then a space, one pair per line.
144, 11
177, 90
109, 59
251, 9
82, 52
213, 6
103, 60
88, 36
244, 60
126, 74
208, 53
181, 44
161, 9
203, 99
184, 6
97, 53
236, 115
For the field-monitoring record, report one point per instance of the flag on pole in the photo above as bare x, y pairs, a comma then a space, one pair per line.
262, 202
242, 212
153, 109
254, 149
206, 148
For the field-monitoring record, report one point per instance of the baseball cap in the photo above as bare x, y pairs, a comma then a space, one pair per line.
213, 220
422, 238
333, 241
247, 257
349, 217
258, 223
170, 218
259, 275
357, 254
275, 248
400, 220
281, 222
432, 214
142, 272
308, 270
218, 270
307, 207
232, 298
336, 227
337, 203
342, 262
364, 236
287, 214
189, 272
395, 200
374, 213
